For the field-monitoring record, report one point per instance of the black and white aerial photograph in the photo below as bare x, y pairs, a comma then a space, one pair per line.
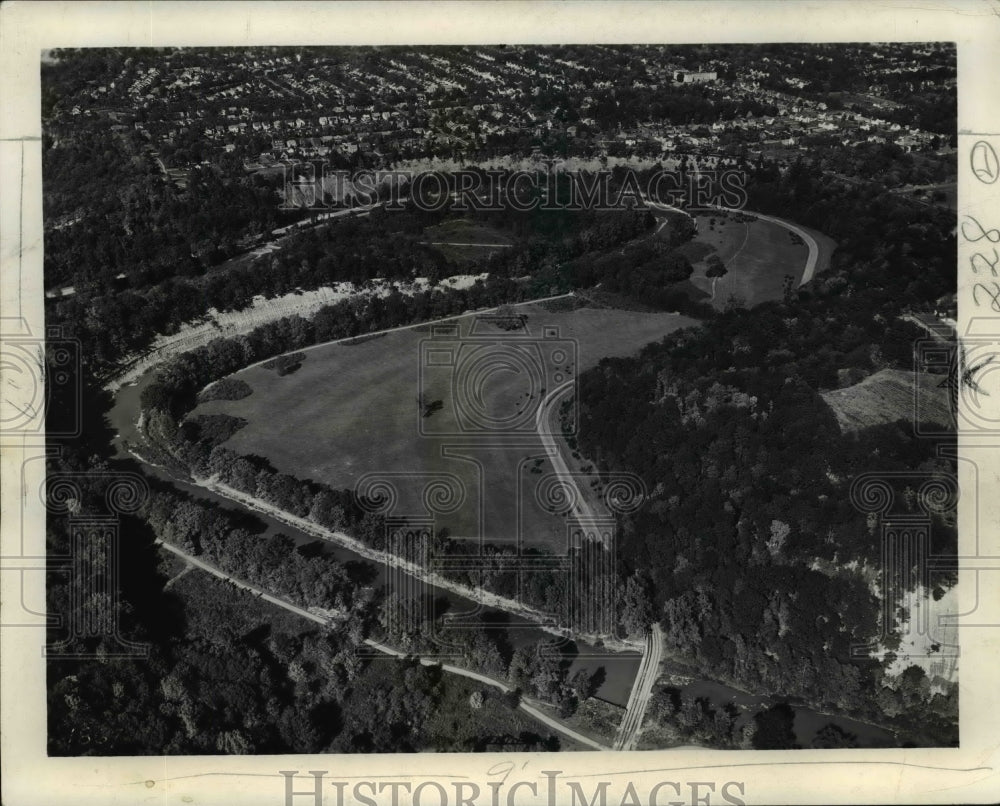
500, 398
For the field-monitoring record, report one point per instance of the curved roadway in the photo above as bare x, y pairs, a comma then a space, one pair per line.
555, 724
526, 706
581, 510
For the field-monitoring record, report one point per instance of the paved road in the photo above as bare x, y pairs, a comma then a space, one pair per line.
939, 329
649, 668
661, 206
582, 510
315, 220
642, 691
810, 268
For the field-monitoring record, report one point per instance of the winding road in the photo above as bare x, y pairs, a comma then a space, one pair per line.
581, 509
267, 597
641, 693
524, 705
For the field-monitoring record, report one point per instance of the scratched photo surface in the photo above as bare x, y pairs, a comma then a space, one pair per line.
489, 398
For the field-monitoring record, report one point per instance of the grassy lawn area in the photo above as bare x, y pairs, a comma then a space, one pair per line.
758, 255
353, 409
462, 241
462, 230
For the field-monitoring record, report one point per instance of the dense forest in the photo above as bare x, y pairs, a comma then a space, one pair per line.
114, 317
749, 470
206, 676
193, 446
742, 546
725, 424
745, 549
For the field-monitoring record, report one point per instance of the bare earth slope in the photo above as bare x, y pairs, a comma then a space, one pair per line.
888, 396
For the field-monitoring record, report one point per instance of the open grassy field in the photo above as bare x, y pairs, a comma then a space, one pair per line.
352, 410
462, 241
757, 254
888, 396
465, 231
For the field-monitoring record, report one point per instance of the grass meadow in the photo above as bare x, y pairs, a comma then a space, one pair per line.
757, 254
463, 241
890, 395
353, 409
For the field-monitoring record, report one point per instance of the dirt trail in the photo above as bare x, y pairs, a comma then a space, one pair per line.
326, 619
